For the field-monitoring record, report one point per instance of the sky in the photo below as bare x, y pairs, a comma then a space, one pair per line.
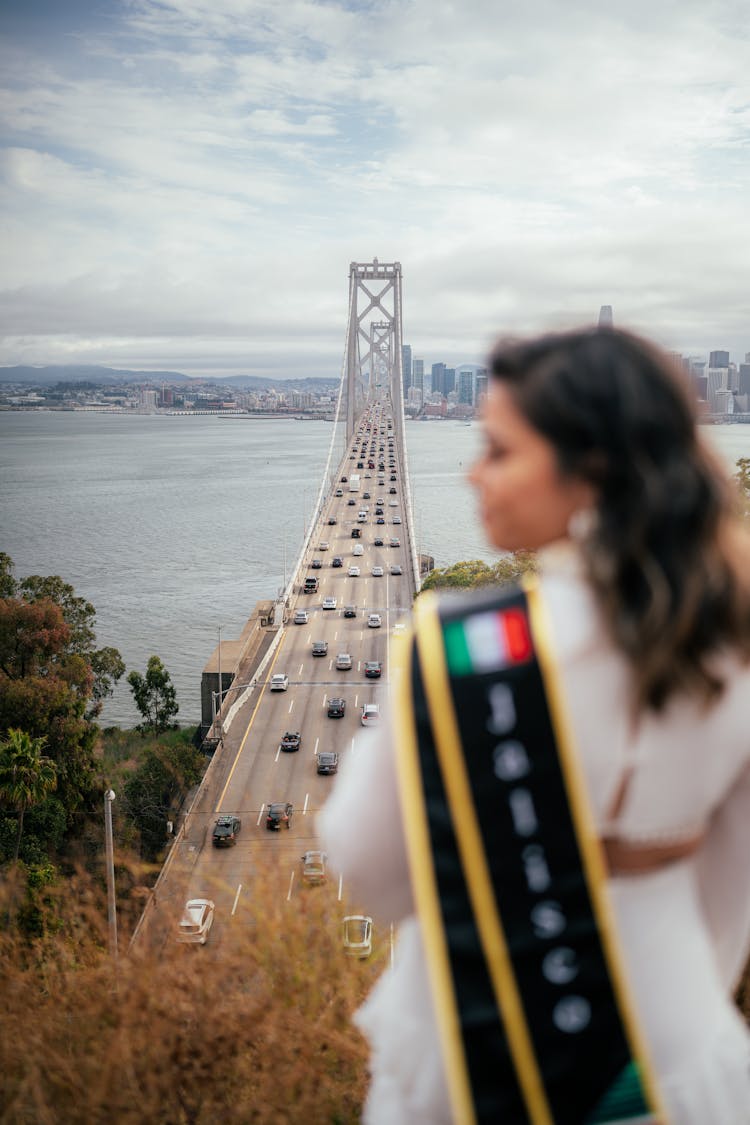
185, 182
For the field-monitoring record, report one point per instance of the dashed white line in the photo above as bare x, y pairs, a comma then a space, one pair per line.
300, 668
278, 753
260, 814
291, 884
290, 707
341, 886
304, 807
236, 898
317, 740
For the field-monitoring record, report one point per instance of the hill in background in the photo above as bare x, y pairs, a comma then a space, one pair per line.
110, 376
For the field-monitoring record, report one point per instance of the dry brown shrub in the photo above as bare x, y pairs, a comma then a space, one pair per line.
253, 1027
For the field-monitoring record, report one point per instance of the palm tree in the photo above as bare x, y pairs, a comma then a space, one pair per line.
26, 776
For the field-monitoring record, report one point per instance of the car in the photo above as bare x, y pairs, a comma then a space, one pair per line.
279, 681
311, 584
380, 501
365, 495
378, 511
358, 550
329, 602
279, 813
374, 621
336, 708
339, 492
356, 533
395, 542
225, 831
314, 867
351, 501
396, 569
377, 572
353, 572
377, 541
357, 935
331, 522
301, 617
197, 919
360, 464
393, 503
327, 762
344, 661
370, 714
290, 741
344, 480
317, 564
320, 648
397, 519
380, 520
322, 546
337, 561
373, 669
350, 611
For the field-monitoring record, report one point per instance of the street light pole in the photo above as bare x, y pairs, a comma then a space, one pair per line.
109, 797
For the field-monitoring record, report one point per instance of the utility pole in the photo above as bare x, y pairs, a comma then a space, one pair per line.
109, 797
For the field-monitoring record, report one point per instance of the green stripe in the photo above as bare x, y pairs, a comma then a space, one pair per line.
456, 649
623, 1101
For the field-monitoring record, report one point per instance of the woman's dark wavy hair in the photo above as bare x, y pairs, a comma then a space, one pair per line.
665, 556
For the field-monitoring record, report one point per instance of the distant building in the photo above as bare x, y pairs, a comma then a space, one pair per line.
406, 365
744, 374
718, 359
465, 386
718, 388
480, 387
438, 378
450, 381
417, 376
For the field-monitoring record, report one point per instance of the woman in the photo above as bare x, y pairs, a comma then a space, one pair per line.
592, 458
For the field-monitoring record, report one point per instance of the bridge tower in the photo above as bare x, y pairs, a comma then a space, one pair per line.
374, 336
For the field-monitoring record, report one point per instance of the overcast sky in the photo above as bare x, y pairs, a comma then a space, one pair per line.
185, 182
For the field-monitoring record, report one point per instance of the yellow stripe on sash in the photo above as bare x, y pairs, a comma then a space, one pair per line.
471, 850
588, 841
427, 898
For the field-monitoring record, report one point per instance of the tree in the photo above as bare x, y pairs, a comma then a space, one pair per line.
742, 477
155, 696
469, 575
26, 775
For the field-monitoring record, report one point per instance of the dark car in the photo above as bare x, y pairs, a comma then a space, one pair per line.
378, 511
351, 501
320, 648
331, 520
356, 533
316, 564
377, 541
226, 830
337, 561
336, 708
327, 762
290, 741
373, 669
380, 519
279, 815
350, 611
343, 480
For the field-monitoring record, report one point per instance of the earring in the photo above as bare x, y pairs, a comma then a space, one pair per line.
582, 524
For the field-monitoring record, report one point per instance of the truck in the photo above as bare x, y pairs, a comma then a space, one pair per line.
354, 483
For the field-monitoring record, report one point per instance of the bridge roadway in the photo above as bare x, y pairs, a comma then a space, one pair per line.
250, 770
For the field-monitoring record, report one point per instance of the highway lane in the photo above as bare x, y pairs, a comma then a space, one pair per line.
257, 772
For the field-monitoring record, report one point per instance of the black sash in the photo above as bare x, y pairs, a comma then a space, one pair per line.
508, 877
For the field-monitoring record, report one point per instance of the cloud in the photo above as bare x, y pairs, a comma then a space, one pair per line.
197, 176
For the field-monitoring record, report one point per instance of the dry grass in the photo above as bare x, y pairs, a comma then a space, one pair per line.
253, 1028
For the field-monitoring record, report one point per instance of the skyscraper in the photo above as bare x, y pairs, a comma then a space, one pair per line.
417, 378
438, 378
406, 365
718, 359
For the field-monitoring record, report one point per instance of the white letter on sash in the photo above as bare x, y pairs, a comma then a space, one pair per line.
503, 717
560, 966
535, 866
511, 761
572, 1014
522, 811
548, 919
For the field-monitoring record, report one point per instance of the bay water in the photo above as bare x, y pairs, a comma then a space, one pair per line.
174, 526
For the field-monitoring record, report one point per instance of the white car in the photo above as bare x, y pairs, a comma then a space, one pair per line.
374, 621
358, 549
357, 934
377, 572
329, 603
322, 546
370, 716
300, 617
314, 867
197, 919
354, 572
344, 661
393, 503
397, 519
279, 681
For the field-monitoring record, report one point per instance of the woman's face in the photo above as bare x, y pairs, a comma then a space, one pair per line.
524, 500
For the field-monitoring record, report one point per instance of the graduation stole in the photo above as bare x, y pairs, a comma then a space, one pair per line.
508, 876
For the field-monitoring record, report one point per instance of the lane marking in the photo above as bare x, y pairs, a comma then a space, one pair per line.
304, 807
341, 886
291, 884
317, 740
291, 705
278, 753
300, 669
249, 725
236, 898
260, 814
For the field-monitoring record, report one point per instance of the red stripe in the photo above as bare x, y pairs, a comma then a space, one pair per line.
515, 628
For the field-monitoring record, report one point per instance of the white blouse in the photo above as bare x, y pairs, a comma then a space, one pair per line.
684, 929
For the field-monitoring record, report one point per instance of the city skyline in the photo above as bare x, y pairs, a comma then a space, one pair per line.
185, 183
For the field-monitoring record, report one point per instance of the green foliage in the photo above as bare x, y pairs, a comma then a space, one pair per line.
742, 477
469, 575
7, 581
155, 696
26, 775
155, 789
